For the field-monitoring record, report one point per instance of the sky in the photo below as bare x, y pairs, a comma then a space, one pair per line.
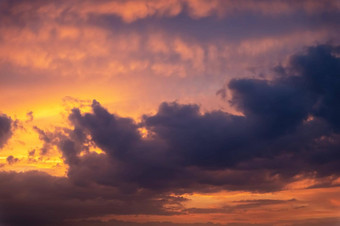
164, 113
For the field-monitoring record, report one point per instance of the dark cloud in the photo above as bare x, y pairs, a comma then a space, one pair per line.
11, 159
46, 138
274, 109
36, 198
281, 104
5, 129
29, 116
186, 151
31, 153
281, 134
319, 73
288, 128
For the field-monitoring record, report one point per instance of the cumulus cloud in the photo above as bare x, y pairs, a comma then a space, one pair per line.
288, 129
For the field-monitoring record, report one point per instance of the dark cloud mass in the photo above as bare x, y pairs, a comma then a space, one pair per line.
11, 159
5, 129
290, 126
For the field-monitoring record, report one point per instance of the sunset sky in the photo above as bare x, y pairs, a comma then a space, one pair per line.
169, 112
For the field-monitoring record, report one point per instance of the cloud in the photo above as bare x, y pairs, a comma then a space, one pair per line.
188, 146
36, 198
319, 71
141, 53
132, 10
46, 138
29, 116
82, 38
287, 129
275, 119
5, 129
31, 153
11, 160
